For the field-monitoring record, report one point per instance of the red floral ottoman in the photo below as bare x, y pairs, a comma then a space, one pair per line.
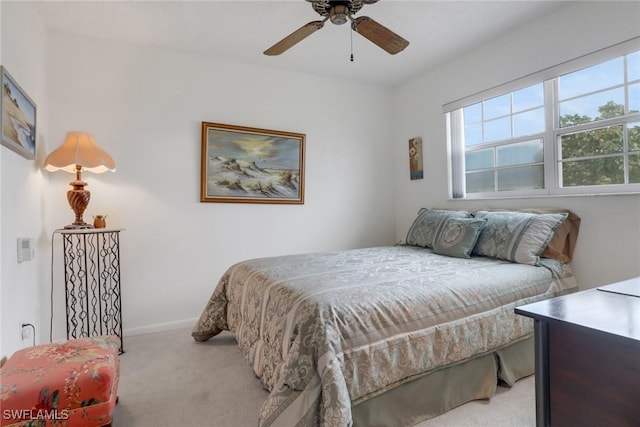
73, 383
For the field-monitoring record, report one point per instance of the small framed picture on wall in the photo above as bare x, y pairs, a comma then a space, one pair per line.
415, 158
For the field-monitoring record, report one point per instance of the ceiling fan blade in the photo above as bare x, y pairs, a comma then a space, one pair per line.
294, 38
379, 34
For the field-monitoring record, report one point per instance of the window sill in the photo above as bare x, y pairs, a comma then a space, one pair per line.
541, 196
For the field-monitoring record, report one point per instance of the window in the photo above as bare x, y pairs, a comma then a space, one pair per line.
573, 129
598, 124
503, 139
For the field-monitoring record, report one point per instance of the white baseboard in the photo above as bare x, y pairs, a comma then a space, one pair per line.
159, 327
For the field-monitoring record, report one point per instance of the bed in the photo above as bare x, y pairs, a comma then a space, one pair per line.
397, 334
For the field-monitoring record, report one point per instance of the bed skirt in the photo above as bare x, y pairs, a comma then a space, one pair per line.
444, 389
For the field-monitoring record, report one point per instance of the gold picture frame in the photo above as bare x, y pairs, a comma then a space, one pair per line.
242, 164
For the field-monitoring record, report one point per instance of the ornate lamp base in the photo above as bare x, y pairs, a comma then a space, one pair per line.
78, 199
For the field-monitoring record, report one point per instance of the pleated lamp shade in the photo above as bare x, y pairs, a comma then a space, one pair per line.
79, 149
79, 152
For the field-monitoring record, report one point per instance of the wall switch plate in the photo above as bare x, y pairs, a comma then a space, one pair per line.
26, 251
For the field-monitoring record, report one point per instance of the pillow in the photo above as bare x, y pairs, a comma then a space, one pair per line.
560, 246
516, 236
424, 228
458, 236
563, 242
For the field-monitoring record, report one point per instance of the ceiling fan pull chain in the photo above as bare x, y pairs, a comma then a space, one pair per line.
351, 33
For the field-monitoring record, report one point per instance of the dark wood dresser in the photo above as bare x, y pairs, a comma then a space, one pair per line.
587, 348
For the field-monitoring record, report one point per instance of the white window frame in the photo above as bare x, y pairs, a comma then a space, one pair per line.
551, 135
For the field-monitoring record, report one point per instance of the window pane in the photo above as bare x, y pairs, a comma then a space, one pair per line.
634, 168
592, 143
604, 171
633, 132
585, 109
498, 106
479, 182
529, 97
521, 153
634, 98
473, 135
527, 177
476, 160
496, 130
472, 113
590, 79
633, 66
528, 123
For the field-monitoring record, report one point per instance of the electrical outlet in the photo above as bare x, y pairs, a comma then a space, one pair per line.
25, 330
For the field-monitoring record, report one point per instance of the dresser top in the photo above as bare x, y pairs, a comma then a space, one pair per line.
602, 310
629, 287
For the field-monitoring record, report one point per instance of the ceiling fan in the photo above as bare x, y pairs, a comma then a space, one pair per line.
339, 12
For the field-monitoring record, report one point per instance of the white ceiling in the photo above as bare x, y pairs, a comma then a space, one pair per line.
241, 30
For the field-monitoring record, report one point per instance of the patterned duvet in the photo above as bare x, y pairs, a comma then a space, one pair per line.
324, 331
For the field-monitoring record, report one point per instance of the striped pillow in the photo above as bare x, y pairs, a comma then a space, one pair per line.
516, 236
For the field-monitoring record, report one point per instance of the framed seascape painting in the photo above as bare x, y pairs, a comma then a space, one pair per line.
249, 165
18, 127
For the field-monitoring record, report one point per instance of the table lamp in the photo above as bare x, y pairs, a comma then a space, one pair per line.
79, 152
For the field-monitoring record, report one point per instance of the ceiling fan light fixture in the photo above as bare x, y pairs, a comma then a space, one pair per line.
339, 14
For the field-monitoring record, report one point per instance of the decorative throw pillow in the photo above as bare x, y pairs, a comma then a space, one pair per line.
424, 228
516, 236
458, 236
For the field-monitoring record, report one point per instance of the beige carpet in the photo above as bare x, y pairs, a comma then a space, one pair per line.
167, 379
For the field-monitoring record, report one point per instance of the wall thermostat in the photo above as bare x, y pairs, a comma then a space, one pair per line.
26, 252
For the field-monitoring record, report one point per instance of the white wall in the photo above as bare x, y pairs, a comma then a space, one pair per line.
608, 246
24, 286
145, 106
